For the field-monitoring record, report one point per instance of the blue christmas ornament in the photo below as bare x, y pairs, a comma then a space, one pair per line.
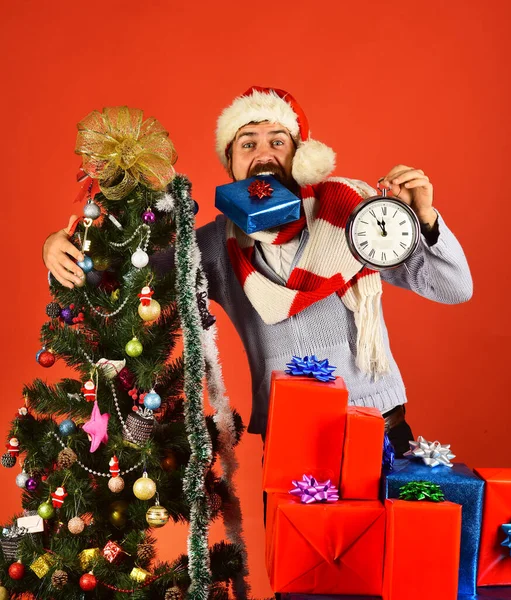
310, 366
67, 427
152, 400
86, 264
389, 455
38, 353
195, 207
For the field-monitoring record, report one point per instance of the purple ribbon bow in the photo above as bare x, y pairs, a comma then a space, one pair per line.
311, 490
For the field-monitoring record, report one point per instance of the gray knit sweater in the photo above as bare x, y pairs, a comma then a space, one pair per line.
326, 328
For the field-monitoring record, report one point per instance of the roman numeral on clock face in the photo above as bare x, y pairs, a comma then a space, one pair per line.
364, 244
403, 245
384, 210
371, 254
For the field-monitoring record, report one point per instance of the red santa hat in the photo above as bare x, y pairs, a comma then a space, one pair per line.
313, 161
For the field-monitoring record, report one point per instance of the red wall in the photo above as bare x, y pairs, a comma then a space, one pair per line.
420, 83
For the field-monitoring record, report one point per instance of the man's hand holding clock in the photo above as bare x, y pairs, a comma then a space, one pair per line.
414, 188
384, 231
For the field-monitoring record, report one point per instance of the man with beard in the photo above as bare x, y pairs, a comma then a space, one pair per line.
285, 289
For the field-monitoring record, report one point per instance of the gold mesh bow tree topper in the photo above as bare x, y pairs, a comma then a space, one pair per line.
120, 149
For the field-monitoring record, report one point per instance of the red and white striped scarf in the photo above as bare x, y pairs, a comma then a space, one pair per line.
325, 267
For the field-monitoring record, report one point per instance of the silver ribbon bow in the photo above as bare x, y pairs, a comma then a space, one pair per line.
431, 453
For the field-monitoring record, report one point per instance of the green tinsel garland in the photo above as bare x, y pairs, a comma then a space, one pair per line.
421, 490
195, 422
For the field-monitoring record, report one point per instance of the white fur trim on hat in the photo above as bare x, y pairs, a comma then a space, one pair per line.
258, 107
312, 163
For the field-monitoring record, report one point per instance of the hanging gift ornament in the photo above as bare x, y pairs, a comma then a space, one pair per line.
46, 511
134, 348
53, 310
67, 427
152, 400
89, 391
139, 258
76, 525
88, 582
112, 552
58, 497
149, 217
21, 479
91, 210
42, 565
144, 488
139, 575
157, 515
45, 358
126, 378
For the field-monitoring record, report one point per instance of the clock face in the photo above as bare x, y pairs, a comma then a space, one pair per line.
382, 232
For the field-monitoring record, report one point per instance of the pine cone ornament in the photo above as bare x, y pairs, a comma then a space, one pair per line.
53, 310
215, 502
66, 458
145, 552
173, 593
59, 579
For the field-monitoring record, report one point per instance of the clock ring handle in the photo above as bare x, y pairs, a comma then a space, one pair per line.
380, 189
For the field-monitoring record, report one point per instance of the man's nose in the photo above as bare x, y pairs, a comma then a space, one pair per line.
265, 155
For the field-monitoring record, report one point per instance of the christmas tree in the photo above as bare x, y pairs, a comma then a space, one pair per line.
125, 446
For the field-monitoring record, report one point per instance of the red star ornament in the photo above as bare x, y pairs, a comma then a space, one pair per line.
97, 428
261, 189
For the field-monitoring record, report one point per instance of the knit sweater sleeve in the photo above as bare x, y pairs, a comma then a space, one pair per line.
438, 272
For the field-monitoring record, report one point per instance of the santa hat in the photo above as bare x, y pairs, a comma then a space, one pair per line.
313, 161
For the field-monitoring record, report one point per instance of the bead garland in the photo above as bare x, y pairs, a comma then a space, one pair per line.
86, 468
144, 246
105, 315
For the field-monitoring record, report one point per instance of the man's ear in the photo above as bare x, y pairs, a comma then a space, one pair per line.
229, 167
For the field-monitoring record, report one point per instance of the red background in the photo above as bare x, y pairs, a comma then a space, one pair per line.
420, 83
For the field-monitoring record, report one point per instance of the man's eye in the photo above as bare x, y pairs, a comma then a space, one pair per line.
248, 145
278, 143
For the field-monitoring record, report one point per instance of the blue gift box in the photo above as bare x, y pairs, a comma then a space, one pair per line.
459, 484
252, 213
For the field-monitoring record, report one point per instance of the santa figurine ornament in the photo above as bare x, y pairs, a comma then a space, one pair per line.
114, 466
13, 447
89, 391
145, 295
58, 497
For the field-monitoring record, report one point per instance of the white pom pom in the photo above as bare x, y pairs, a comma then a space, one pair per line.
312, 163
165, 203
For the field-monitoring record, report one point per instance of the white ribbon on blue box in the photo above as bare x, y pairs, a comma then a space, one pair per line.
258, 203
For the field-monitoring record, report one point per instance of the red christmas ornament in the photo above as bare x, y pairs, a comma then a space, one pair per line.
145, 295
17, 570
13, 446
88, 582
58, 497
46, 359
114, 466
261, 189
89, 391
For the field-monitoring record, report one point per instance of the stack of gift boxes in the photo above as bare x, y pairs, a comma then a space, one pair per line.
365, 540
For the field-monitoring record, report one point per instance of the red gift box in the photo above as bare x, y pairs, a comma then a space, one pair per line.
494, 559
363, 449
319, 548
305, 433
422, 550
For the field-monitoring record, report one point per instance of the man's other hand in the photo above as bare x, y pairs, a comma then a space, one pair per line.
57, 250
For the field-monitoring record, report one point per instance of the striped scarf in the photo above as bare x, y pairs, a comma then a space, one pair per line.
325, 267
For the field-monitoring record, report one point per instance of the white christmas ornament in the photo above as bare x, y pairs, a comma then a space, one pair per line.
139, 258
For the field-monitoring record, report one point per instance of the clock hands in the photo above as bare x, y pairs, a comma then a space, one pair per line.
381, 225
